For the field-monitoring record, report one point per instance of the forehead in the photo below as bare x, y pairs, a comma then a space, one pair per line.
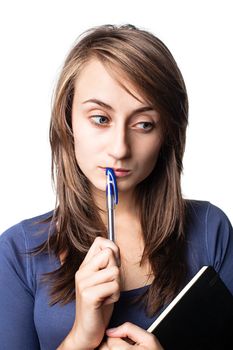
96, 77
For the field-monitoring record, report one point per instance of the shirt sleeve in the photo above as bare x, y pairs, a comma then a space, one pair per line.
219, 243
17, 329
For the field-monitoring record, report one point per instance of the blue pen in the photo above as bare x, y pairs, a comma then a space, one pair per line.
112, 200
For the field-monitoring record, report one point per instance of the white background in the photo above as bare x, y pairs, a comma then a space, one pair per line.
35, 38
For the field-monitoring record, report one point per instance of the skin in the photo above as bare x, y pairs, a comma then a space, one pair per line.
125, 134
117, 137
140, 338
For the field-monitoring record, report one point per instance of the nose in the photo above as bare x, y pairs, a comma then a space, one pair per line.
119, 143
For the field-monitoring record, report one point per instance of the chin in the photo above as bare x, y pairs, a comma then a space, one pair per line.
99, 186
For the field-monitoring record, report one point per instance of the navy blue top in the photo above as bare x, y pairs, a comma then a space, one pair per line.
26, 319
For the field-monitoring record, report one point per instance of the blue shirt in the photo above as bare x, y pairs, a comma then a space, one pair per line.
27, 322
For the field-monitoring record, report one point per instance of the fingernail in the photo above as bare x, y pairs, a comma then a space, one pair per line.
111, 330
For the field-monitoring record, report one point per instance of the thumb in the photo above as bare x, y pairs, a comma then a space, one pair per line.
130, 330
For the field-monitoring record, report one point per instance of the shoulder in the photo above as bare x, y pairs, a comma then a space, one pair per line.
208, 224
17, 268
21, 239
28, 233
205, 214
210, 239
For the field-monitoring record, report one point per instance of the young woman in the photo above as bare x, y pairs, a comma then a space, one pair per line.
120, 102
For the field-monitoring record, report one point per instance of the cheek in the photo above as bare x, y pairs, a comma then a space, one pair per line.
83, 150
149, 154
148, 160
151, 161
86, 148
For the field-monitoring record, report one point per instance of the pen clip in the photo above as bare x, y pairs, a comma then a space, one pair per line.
112, 184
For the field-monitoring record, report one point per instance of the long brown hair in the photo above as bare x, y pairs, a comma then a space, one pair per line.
76, 221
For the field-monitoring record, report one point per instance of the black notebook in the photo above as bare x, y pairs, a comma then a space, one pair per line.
199, 318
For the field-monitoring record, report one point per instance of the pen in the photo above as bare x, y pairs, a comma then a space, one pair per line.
111, 201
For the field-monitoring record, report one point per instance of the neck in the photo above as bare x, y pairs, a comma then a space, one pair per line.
126, 205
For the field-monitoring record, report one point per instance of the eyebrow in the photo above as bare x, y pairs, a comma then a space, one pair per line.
107, 106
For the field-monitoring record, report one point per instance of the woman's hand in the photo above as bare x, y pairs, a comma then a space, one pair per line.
142, 339
97, 286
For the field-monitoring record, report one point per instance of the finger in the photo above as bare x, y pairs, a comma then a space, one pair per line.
118, 344
102, 294
109, 274
104, 258
135, 333
99, 244
103, 346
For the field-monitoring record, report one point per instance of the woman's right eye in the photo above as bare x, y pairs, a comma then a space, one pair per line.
99, 120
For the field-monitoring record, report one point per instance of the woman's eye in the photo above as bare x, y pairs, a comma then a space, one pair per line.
99, 120
147, 126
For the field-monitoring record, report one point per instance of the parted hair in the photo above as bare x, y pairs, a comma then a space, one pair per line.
148, 64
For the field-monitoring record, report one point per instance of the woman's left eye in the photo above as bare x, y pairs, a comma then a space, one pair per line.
147, 126
99, 120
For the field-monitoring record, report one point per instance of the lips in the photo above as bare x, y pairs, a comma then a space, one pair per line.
122, 170
119, 172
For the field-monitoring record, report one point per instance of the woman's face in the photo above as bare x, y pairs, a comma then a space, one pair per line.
112, 128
